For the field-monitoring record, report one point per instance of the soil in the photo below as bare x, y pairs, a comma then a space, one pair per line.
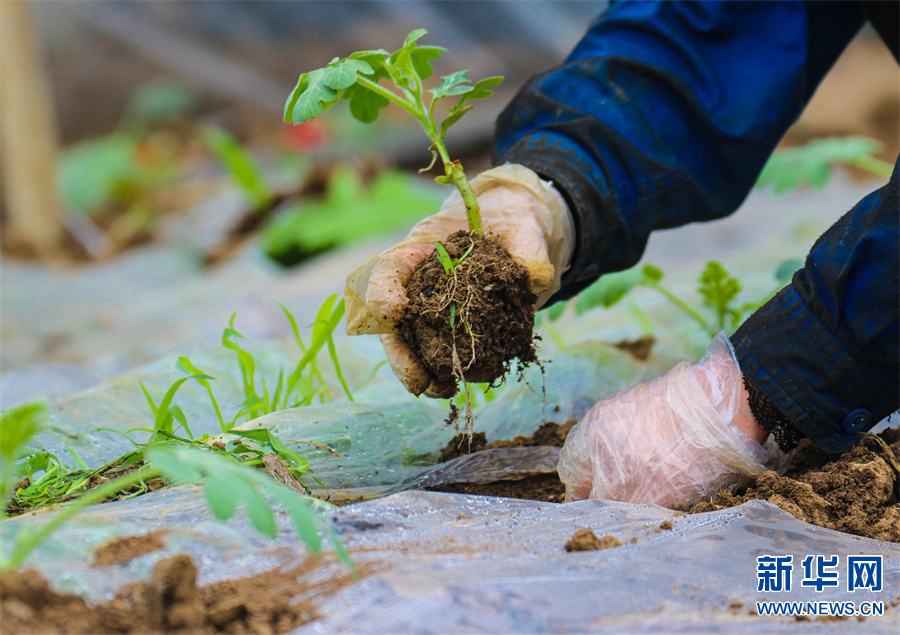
540, 487
474, 322
586, 540
169, 602
855, 492
119, 550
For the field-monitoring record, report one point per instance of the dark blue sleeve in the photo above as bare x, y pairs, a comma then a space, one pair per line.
665, 114
826, 349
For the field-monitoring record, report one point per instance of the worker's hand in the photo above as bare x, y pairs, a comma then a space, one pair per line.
674, 440
525, 214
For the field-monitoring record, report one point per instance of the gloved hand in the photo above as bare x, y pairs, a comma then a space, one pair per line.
525, 214
670, 441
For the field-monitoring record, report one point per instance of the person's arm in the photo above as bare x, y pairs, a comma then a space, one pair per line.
665, 114
826, 349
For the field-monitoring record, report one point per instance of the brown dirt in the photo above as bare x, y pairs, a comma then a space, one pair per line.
541, 487
586, 540
120, 550
169, 602
493, 315
855, 492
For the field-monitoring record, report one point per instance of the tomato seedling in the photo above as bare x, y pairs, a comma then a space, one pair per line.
357, 80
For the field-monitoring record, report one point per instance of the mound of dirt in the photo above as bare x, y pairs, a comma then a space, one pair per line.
855, 492
171, 602
474, 321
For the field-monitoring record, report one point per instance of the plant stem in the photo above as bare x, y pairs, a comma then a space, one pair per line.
681, 304
874, 166
32, 540
456, 175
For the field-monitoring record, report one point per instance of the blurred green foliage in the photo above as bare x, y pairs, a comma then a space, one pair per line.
349, 211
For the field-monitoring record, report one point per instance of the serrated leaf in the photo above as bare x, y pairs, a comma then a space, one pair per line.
422, 57
413, 36
454, 116
314, 98
344, 73
452, 84
481, 89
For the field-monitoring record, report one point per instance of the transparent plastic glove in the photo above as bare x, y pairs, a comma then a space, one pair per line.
669, 441
521, 211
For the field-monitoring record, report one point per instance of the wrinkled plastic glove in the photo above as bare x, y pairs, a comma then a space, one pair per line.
670, 441
524, 213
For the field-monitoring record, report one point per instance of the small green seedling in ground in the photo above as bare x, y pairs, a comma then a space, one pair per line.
357, 79
717, 288
240, 166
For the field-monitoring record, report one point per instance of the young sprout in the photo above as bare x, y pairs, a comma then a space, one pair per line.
356, 78
446, 261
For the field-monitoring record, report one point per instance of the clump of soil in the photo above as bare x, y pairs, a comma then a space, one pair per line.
119, 550
472, 323
586, 540
169, 602
855, 492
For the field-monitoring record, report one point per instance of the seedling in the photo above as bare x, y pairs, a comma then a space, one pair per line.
446, 261
717, 288
356, 78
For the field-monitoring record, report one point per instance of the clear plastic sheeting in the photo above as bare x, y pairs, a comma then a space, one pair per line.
451, 562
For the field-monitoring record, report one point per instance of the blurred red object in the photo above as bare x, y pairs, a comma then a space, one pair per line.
308, 135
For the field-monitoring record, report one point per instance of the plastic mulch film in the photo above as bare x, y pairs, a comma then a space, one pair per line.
436, 562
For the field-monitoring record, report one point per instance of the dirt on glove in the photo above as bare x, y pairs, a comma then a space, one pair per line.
170, 602
474, 321
855, 492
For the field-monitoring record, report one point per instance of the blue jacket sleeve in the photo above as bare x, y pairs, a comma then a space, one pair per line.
826, 349
665, 113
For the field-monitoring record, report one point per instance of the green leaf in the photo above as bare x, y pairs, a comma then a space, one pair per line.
174, 465
239, 164
652, 272
315, 97
444, 258
719, 290
452, 118
365, 105
422, 57
319, 90
414, 35
812, 164
255, 505
609, 289
220, 497
78, 460
786, 270
453, 84
342, 74
18, 426
481, 90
